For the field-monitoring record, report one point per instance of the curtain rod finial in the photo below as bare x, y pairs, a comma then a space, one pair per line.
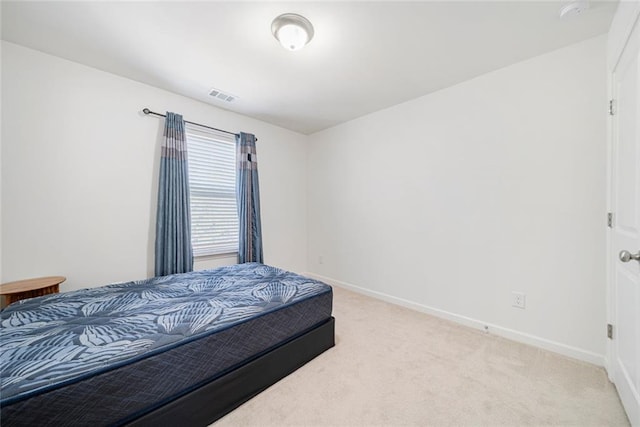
146, 110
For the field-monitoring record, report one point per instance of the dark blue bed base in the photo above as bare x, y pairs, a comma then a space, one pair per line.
217, 398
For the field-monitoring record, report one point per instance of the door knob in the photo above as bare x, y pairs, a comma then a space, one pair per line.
626, 256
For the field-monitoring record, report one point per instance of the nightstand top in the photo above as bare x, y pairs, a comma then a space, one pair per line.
30, 284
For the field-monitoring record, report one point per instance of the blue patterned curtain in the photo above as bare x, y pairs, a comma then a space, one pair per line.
173, 221
250, 242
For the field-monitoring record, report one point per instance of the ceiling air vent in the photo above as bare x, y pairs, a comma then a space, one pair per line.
222, 96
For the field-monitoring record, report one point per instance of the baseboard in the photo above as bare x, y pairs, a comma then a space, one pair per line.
556, 347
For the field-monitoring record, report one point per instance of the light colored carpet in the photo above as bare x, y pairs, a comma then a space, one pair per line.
394, 366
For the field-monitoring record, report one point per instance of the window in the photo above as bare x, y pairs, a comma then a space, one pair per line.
212, 189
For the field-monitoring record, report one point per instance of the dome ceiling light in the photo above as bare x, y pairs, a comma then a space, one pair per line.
293, 31
573, 8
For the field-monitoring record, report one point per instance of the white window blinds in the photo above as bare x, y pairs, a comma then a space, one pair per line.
212, 188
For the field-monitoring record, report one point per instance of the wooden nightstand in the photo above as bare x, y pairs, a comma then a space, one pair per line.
30, 288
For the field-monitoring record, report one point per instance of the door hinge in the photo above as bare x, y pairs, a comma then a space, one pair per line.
611, 108
609, 331
610, 219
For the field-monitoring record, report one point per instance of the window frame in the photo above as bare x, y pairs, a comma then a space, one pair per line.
211, 157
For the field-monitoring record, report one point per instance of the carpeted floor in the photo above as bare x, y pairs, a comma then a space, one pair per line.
393, 366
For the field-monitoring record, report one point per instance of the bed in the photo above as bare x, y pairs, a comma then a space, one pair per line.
181, 349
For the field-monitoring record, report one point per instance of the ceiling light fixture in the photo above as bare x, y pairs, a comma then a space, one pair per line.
573, 8
293, 31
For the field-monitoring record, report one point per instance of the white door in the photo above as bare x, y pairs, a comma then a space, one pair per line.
625, 232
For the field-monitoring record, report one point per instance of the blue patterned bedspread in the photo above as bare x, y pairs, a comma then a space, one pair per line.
51, 339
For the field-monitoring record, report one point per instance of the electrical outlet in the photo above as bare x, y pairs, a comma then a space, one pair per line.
518, 299
320, 259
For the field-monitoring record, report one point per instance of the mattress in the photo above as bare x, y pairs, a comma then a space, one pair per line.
108, 355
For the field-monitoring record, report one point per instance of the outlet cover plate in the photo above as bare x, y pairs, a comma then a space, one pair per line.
518, 299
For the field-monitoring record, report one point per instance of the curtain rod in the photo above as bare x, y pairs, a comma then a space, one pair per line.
147, 111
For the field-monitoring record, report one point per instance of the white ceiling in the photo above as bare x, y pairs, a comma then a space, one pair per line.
365, 56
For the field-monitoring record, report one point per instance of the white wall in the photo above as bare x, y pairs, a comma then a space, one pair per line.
2, 299
451, 201
79, 171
